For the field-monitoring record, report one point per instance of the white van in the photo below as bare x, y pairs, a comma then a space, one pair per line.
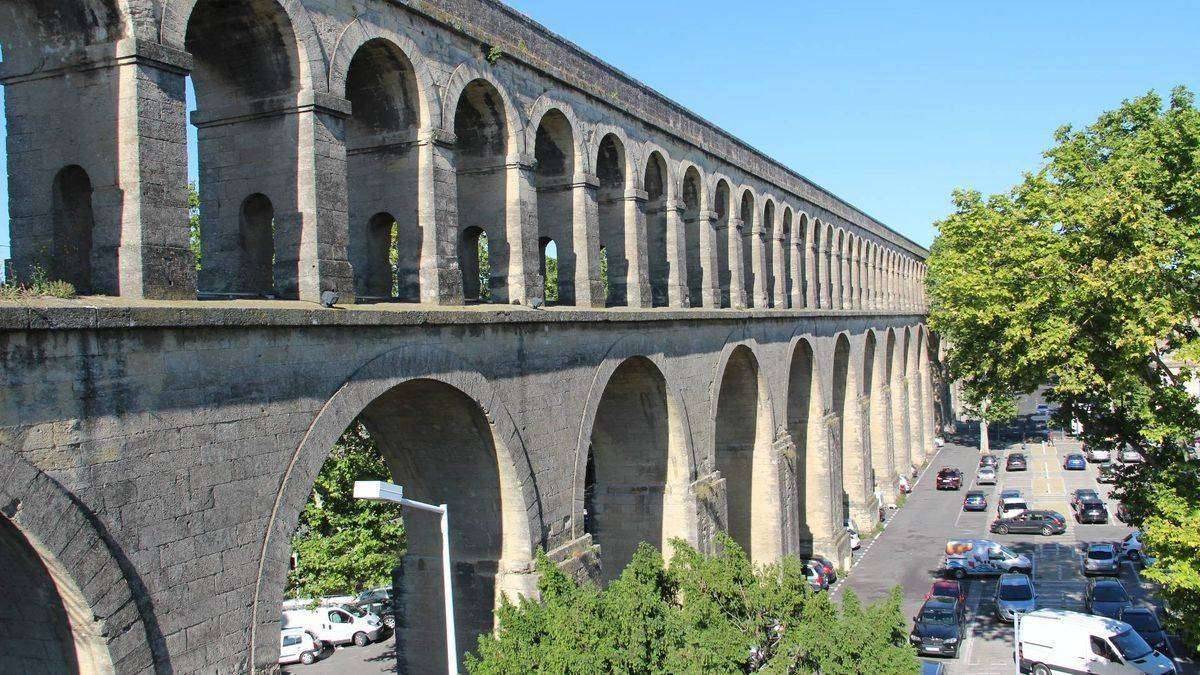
296, 645
1058, 641
336, 625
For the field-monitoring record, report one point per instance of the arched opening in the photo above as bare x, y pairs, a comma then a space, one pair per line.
811, 464
382, 162
554, 150
655, 209
748, 234
256, 245
844, 396
475, 259
74, 225
902, 395
375, 272
245, 75
837, 268
636, 484
784, 277
806, 278
482, 151
827, 275
721, 204
551, 270
610, 169
697, 278
767, 241
48, 625
743, 456
866, 419
436, 442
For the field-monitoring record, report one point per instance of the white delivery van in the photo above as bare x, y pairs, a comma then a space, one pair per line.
982, 557
296, 645
1059, 641
336, 625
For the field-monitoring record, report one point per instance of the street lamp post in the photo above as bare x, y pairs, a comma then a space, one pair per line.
379, 491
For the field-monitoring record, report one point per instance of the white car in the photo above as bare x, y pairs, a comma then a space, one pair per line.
1129, 455
855, 540
986, 476
296, 645
1043, 409
1011, 506
1131, 545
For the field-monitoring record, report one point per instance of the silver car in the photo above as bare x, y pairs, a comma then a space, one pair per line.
1014, 593
1100, 559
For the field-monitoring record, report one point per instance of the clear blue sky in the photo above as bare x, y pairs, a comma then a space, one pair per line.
889, 105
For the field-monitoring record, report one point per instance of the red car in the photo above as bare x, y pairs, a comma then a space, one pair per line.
947, 588
949, 478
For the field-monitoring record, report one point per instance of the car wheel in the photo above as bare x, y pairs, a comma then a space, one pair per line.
307, 658
1047, 531
1001, 529
1040, 669
361, 639
390, 621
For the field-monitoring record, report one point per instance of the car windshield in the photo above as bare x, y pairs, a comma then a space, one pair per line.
1131, 645
936, 616
1099, 554
1007, 553
1016, 592
354, 610
1141, 621
1109, 593
1087, 494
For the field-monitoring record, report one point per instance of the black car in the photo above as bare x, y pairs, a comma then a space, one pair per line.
976, 500
989, 460
378, 601
1090, 510
1106, 597
1015, 462
1145, 622
939, 627
1031, 522
949, 479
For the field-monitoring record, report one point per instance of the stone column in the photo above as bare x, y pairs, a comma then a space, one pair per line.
882, 459
835, 277
758, 260
437, 213
779, 294
676, 242
795, 262
637, 279
585, 223
737, 278
856, 458
855, 277
901, 454
847, 288
709, 261
525, 282
915, 440
812, 274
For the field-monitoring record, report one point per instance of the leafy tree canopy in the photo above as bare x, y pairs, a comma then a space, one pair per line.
702, 614
1086, 277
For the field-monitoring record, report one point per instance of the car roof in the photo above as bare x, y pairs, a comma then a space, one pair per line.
1092, 622
1139, 609
946, 583
976, 493
1101, 544
1108, 582
1013, 500
1014, 579
940, 602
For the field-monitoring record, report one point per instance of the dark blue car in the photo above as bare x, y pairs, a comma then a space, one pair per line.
1074, 462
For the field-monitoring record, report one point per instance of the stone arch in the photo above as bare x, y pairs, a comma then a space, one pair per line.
785, 261
41, 34
68, 559
76, 258
468, 74
723, 207
556, 154
633, 465
767, 230
554, 103
519, 512
355, 35
748, 213
383, 168
176, 15
658, 184
806, 260
743, 433
827, 257
699, 237
837, 269
812, 465
856, 497
614, 167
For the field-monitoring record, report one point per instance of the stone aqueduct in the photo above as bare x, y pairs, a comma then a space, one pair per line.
758, 364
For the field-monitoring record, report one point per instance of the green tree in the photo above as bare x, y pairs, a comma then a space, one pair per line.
987, 407
485, 270
194, 222
701, 614
551, 280
343, 544
1086, 276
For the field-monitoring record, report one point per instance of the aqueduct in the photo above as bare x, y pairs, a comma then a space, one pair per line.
730, 347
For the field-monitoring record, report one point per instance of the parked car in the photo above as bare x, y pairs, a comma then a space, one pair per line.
938, 627
1032, 522
1122, 513
947, 588
1129, 455
1009, 493
1097, 453
1011, 506
1056, 640
1100, 558
1015, 462
976, 500
827, 567
1082, 493
1091, 510
982, 557
855, 540
986, 476
989, 460
336, 625
1043, 409
932, 668
1108, 474
1074, 462
949, 478
1014, 594
1106, 597
378, 601
814, 573
1146, 623
1131, 546
296, 645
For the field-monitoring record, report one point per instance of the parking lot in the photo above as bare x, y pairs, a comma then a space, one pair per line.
910, 549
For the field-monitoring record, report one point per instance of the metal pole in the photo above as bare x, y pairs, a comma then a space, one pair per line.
448, 589
1017, 642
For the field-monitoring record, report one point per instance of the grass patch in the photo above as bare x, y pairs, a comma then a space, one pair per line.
38, 287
